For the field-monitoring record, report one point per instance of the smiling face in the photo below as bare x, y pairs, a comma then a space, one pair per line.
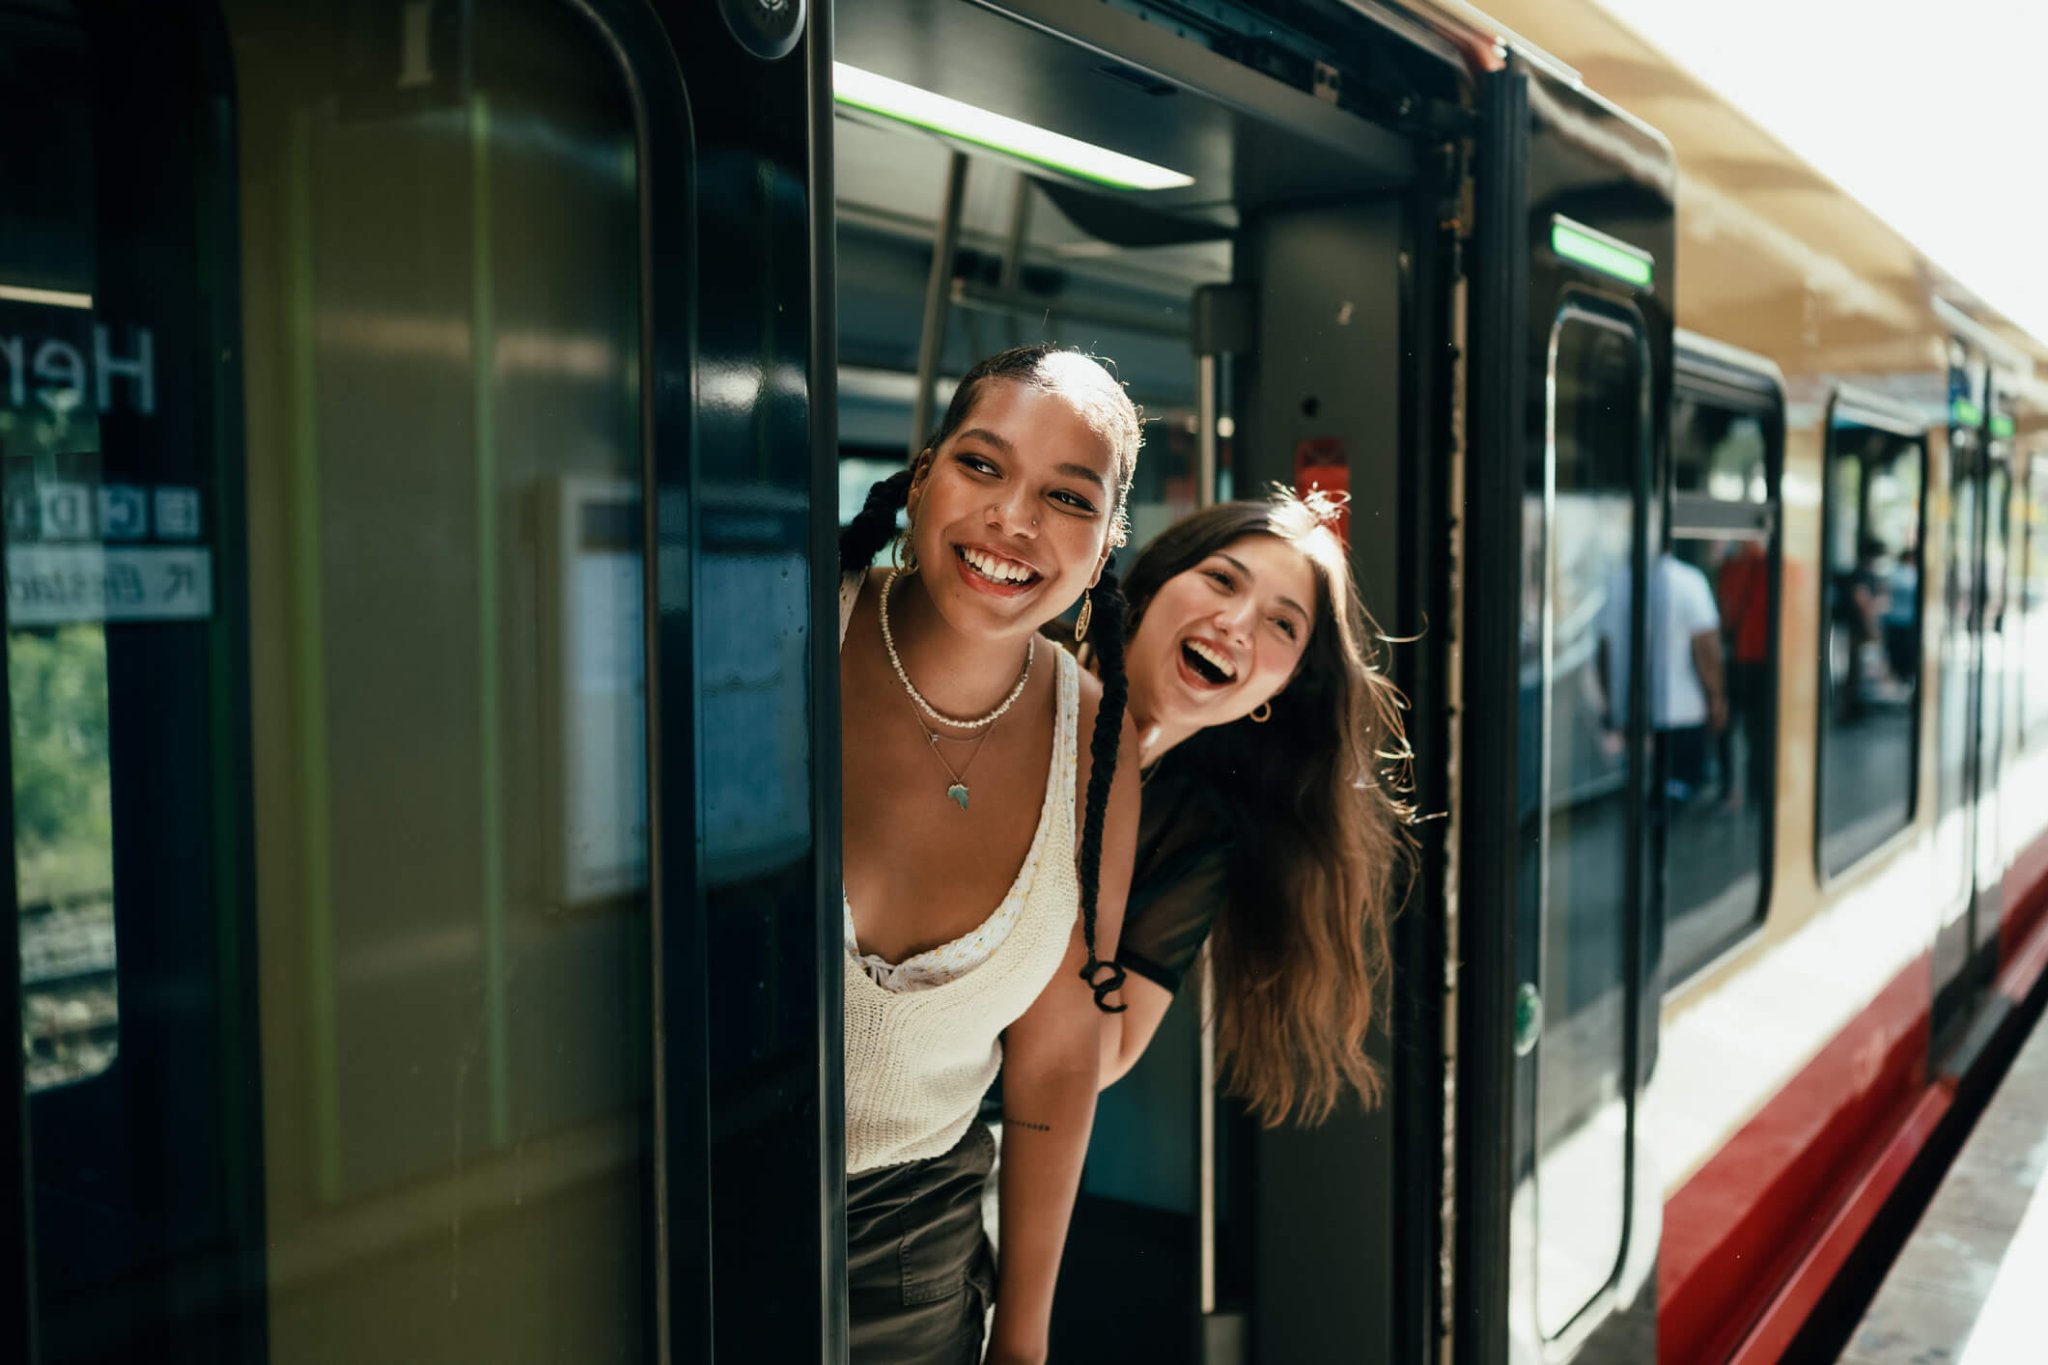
1011, 516
1222, 637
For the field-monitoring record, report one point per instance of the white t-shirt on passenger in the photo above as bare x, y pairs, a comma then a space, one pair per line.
1682, 606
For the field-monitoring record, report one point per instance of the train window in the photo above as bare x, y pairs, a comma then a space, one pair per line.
1586, 520
1715, 708
321, 415
53, 352
1870, 617
2033, 604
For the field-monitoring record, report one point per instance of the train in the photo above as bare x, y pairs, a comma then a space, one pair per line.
424, 431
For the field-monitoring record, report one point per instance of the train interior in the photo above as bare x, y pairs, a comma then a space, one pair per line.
1262, 313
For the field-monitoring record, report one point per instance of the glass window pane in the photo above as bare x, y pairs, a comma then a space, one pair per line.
448, 692
321, 447
57, 554
1870, 600
1584, 648
1719, 785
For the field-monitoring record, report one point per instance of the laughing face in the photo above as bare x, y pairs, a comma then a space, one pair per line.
1221, 638
1011, 517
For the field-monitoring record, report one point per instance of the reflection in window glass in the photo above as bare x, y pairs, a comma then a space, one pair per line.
50, 410
1580, 681
447, 693
1719, 629
1870, 619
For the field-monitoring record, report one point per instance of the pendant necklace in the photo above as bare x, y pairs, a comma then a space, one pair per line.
957, 793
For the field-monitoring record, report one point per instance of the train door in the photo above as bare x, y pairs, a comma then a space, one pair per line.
1973, 690
1570, 725
411, 677
1998, 659
1262, 259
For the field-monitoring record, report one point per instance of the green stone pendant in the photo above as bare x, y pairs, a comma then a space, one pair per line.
958, 791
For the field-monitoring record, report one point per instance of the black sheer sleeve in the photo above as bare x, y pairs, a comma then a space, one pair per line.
1179, 883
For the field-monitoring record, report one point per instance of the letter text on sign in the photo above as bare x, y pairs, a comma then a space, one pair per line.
140, 371
60, 369
50, 585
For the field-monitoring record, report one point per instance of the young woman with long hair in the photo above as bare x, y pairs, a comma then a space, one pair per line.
966, 786
1273, 826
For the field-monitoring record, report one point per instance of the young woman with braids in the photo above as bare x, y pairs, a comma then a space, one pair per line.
966, 786
1273, 759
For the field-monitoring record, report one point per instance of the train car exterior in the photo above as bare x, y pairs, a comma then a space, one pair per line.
423, 429
1810, 1050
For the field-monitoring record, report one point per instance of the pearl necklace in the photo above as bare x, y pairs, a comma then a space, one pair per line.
889, 644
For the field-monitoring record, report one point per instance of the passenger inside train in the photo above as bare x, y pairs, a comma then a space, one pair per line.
1272, 817
946, 252
1013, 506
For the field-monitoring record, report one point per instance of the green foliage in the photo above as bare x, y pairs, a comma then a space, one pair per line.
63, 817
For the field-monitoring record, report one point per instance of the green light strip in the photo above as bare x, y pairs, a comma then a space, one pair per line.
1963, 413
1597, 251
490, 768
306, 560
2002, 426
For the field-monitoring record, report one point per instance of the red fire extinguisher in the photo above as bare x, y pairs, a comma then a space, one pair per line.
1322, 465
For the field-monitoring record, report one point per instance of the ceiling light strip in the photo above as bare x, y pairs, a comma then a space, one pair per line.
892, 99
48, 298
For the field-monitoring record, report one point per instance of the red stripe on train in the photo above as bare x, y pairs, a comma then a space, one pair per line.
1739, 1229
2026, 905
1755, 1237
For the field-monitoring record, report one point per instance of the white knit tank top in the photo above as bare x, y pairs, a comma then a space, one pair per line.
918, 1062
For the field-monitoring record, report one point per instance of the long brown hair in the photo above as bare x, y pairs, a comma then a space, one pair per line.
1320, 843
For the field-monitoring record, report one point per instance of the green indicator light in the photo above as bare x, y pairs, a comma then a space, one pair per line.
873, 94
2001, 426
1597, 251
1963, 413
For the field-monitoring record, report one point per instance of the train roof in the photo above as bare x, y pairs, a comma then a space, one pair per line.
1770, 247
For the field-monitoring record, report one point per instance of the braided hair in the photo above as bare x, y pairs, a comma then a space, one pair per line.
1102, 401
875, 524
1107, 635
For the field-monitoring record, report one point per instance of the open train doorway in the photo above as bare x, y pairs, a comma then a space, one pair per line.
1245, 219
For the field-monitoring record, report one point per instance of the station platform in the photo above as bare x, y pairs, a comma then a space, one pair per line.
1970, 1287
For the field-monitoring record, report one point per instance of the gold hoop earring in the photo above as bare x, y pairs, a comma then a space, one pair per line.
905, 553
1262, 713
1087, 615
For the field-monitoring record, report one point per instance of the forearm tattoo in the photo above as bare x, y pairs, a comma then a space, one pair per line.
1027, 1123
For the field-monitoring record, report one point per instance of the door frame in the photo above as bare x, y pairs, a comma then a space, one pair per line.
1518, 285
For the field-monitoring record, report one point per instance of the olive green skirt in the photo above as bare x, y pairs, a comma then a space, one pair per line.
919, 1272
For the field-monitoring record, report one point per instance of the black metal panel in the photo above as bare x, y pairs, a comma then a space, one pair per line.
682, 1231
1425, 616
831, 1108
736, 530
1489, 811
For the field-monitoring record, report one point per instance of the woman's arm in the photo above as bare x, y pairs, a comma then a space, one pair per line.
1050, 1057
1126, 1036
